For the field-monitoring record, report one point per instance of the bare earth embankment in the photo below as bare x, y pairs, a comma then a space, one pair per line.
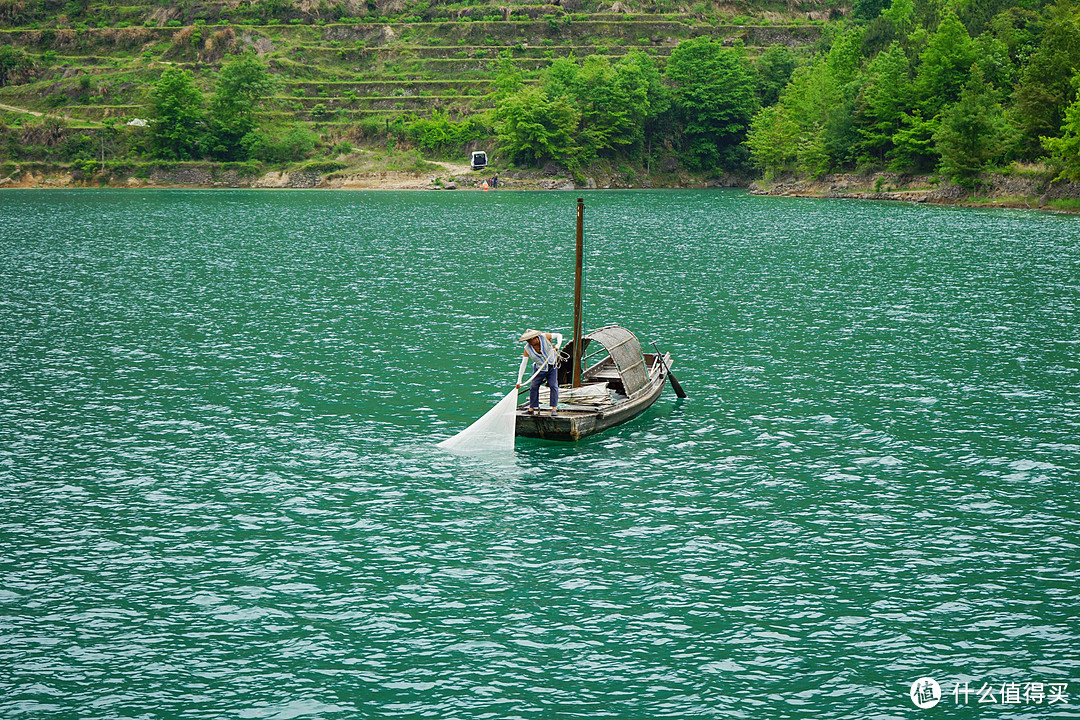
1033, 190
363, 170
437, 176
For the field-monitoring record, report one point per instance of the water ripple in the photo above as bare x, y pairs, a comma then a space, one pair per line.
218, 413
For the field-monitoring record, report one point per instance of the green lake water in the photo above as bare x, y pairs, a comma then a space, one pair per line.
222, 499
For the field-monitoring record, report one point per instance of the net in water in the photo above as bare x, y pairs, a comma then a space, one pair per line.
492, 433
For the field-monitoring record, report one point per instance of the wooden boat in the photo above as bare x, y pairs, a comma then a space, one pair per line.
621, 385
624, 383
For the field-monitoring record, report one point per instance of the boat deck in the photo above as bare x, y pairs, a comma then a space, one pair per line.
610, 407
564, 410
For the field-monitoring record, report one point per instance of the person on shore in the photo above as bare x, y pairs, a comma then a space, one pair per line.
539, 349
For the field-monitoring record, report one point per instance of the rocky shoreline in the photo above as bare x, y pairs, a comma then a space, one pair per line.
434, 176
1034, 191
1031, 191
200, 178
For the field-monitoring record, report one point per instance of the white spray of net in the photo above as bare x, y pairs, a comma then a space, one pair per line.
494, 431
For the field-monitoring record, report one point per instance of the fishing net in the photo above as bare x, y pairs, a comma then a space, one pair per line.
593, 395
492, 433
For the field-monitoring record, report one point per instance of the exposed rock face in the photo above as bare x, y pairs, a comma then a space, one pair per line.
1004, 190
304, 179
182, 176
390, 7
162, 15
298, 179
272, 180
352, 7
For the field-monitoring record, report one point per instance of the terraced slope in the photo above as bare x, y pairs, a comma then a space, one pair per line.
337, 74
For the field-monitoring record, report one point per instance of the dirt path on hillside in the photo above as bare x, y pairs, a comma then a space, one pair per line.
12, 108
35, 113
456, 169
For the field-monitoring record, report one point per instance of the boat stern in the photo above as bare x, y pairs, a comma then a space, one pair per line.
567, 425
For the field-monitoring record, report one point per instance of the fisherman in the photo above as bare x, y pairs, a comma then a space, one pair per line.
539, 348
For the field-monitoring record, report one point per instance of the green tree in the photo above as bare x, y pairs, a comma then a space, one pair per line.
617, 103
774, 69
79, 146
944, 66
996, 62
867, 10
714, 91
844, 59
1065, 150
788, 136
810, 104
1020, 30
820, 102
977, 15
878, 35
533, 128
241, 87
973, 132
657, 94
885, 96
901, 13
614, 101
438, 133
913, 143
12, 62
657, 120
292, 145
837, 134
773, 141
1044, 90
561, 78
508, 79
178, 125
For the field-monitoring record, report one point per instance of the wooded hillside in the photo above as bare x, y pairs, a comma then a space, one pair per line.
750, 87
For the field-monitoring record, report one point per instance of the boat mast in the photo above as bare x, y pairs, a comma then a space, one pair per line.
579, 261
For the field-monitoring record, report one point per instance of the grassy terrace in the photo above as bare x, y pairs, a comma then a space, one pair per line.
105, 72
341, 79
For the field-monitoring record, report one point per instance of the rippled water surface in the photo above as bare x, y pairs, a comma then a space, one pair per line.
218, 410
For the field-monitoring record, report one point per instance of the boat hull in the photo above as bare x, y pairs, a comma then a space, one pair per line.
572, 425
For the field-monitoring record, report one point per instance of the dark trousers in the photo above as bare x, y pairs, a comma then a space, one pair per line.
549, 376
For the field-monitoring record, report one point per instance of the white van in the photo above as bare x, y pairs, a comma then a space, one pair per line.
479, 160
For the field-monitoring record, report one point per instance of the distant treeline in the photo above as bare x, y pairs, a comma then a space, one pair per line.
697, 109
921, 85
957, 86
909, 86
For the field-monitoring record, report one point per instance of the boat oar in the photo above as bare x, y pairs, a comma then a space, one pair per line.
679, 392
